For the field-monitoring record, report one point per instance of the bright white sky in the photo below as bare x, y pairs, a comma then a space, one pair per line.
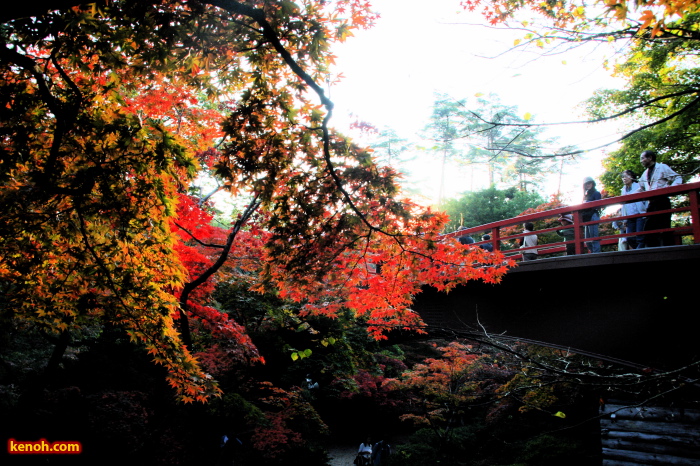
418, 48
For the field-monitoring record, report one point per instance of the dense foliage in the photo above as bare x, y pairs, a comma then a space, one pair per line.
489, 205
108, 115
287, 317
661, 71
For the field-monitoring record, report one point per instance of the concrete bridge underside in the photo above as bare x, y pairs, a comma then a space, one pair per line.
639, 306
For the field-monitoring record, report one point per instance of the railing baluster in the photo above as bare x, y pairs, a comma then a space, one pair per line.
496, 237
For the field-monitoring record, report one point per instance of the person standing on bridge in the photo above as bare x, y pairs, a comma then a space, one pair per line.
632, 225
465, 239
657, 176
567, 232
590, 194
529, 241
486, 246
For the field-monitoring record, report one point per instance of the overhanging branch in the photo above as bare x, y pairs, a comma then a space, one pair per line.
190, 286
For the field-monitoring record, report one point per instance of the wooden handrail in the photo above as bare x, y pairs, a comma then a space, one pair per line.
495, 228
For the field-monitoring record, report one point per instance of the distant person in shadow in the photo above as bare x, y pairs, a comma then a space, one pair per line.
380, 453
364, 453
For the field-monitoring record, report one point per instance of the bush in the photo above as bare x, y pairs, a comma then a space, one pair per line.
451, 447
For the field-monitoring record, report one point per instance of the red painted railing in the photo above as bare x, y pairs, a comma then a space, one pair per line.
547, 221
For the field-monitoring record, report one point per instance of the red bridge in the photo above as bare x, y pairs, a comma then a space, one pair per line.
637, 307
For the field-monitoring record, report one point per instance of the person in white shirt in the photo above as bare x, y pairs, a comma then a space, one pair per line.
632, 225
657, 175
529, 241
364, 454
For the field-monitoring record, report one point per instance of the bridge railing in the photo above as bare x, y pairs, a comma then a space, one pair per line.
505, 234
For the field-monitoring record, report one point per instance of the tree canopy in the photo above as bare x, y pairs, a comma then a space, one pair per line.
490, 134
577, 15
663, 87
657, 46
110, 110
489, 205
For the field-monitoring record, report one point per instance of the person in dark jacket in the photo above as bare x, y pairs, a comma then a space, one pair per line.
465, 239
567, 232
486, 246
590, 194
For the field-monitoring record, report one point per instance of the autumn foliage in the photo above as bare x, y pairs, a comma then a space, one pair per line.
110, 112
647, 15
444, 386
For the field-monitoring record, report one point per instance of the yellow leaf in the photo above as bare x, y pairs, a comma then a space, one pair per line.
560, 414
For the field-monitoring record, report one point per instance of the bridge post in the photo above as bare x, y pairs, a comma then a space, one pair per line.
577, 233
695, 215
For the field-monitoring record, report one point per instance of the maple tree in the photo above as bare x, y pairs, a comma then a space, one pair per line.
110, 111
103, 169
464, 397
445, 387
476, 396
288, 426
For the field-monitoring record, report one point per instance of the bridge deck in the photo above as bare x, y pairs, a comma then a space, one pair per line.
673, 256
